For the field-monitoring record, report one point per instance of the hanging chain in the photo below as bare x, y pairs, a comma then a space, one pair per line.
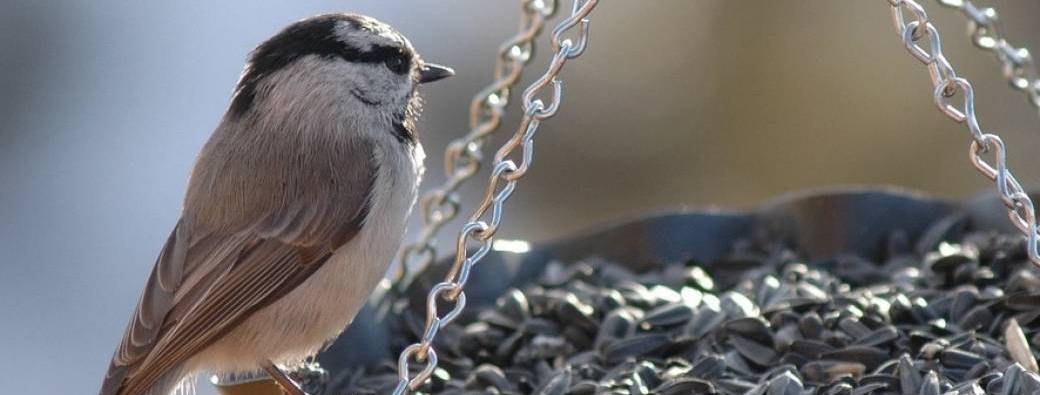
486, 219
462, 157
987, 34
915, 29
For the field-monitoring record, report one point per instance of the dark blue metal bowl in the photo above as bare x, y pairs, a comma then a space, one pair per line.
823, 223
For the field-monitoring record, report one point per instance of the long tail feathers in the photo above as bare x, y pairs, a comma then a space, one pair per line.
174, 382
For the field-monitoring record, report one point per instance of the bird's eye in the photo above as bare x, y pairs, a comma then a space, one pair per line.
396, 64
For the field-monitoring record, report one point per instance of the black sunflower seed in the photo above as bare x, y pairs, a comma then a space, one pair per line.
810, 348
708, 366
976, 317
853, 328
618, 324
584, 387
487, 375
877, 337
752, 350
668, 315
909, 377
811, 325
930, 384
574, 312
785, 384
513, 304
635, 345
706, 319
558, 384
959, 359
752, 328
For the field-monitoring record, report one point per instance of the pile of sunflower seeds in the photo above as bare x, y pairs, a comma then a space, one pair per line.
959, 320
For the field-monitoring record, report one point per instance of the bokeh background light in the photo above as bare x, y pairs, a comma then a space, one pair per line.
676, 104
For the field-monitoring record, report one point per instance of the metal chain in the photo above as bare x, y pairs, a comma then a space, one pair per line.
915, 29
486, 219
462, 157
986, 34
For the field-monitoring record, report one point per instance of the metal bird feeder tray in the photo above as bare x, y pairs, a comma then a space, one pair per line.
824, 224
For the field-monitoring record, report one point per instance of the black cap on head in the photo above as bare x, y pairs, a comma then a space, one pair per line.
321, 36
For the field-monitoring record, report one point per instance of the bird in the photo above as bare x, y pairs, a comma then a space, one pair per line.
294, 209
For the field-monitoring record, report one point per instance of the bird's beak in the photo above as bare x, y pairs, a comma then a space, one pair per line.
432, 72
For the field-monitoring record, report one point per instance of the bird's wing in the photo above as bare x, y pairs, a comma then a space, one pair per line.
209, 278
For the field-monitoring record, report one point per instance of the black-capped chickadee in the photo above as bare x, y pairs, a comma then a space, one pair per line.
294, 209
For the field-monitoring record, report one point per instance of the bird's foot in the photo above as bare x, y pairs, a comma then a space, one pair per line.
288, 385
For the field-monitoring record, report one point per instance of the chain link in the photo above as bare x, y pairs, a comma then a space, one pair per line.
917, 28
486, 219
462, 157
987, 34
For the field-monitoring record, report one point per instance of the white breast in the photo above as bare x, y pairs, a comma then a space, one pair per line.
304, 320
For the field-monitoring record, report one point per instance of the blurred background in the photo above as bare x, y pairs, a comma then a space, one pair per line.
677, 104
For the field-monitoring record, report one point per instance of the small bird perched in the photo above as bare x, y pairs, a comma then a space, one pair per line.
294, 209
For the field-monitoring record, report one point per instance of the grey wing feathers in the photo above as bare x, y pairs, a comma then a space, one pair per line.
147, 320
270, 268
209, 277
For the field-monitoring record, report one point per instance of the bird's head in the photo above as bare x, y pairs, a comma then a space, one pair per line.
339, 63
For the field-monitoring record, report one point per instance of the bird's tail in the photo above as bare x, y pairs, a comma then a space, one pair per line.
176, 381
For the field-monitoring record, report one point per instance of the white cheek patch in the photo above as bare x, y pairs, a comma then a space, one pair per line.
304, 84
